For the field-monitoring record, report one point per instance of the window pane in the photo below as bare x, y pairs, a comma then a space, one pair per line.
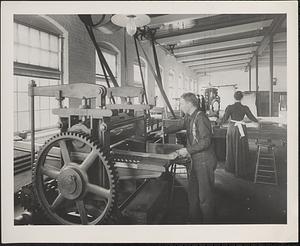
37, 118
53, 103
36, 103
15, 83
16, 47
23, 83
137, 74
23, 101
34, 38
44, 82
23, 36
111, 61
53, 82
53, 60
22, 54
53, 119
53, 43
45, 118
15, 122
44, 102
15, 102
34, 56
23, 121
44, 58
45, 41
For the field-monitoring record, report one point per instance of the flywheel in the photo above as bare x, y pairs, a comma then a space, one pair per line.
85, 180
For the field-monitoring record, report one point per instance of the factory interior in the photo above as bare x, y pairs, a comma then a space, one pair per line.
93, 92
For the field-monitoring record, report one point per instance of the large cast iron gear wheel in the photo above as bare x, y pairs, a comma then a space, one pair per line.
86, 180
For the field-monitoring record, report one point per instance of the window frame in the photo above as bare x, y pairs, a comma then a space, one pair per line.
29, 71
101, 77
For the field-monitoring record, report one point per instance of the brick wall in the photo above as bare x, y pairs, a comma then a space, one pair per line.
81, 65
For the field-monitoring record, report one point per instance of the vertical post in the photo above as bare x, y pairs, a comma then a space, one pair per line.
249, 77
62, 60
271, 78
256, 73
125, 58
31, 91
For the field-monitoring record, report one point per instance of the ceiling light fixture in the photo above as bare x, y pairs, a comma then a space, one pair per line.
130, 22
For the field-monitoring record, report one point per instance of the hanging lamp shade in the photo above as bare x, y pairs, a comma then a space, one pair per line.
131, 22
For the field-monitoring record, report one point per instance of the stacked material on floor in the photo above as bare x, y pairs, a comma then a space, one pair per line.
22, 161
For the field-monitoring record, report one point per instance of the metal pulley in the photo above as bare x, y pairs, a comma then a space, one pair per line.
100, 22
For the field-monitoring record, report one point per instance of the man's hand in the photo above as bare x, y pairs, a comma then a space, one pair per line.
182, 152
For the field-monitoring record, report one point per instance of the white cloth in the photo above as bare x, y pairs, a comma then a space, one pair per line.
240, 127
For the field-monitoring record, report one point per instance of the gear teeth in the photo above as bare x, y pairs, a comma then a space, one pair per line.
106, 160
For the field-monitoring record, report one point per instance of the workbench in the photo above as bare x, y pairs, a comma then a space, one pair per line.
265, 132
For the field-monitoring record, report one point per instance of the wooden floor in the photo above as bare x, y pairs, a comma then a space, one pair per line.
240, 201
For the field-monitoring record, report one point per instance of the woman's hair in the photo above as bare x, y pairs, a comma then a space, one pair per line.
190, 97
238, 95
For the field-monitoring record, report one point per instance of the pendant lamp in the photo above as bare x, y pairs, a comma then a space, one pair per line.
130, 22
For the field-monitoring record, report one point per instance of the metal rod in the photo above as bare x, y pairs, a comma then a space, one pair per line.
140, 66
31, 88
102, 61
159, 77
271, 78
133, 195
101, 56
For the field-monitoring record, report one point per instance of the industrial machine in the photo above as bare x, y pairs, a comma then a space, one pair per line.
212, 101
103, 164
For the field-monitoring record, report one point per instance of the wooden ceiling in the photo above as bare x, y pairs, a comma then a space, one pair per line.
208, 43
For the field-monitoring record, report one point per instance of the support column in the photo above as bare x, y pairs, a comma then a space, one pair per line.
256, 73
249, 77
271, 78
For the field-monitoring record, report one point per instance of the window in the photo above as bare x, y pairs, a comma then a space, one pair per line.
37, 56
192, 86
137, 75
171, 91
35, 47
111, 58
180, 83
186, 84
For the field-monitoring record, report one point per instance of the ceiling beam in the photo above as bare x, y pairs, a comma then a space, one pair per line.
212, 30
211, 52
227, 37
274, 27
226, 44
215, 54
163, 19
218, 59
222, 67
221, 64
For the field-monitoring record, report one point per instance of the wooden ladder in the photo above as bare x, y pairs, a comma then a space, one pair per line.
265, 171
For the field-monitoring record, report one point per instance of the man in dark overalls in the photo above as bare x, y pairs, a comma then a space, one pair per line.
203, 160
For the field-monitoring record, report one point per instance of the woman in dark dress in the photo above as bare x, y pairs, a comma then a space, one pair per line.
237, 147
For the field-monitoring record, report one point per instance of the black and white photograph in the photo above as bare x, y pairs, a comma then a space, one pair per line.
162, 119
